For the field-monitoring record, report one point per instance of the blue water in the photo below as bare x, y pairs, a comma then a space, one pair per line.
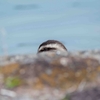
24, 24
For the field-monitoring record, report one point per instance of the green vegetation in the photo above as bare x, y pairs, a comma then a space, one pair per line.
67, 97
12, 82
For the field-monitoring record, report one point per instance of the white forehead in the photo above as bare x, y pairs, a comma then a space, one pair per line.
57, 46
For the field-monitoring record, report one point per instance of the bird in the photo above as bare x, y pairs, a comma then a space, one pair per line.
51, 46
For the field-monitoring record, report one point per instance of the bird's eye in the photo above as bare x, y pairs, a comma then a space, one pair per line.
48, 49
45, 49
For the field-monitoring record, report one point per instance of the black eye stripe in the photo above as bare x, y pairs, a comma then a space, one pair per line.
47, 49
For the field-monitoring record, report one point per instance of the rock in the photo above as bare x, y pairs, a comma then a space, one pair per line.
65, 73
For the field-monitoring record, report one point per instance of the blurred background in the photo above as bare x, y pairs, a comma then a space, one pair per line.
25, 24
